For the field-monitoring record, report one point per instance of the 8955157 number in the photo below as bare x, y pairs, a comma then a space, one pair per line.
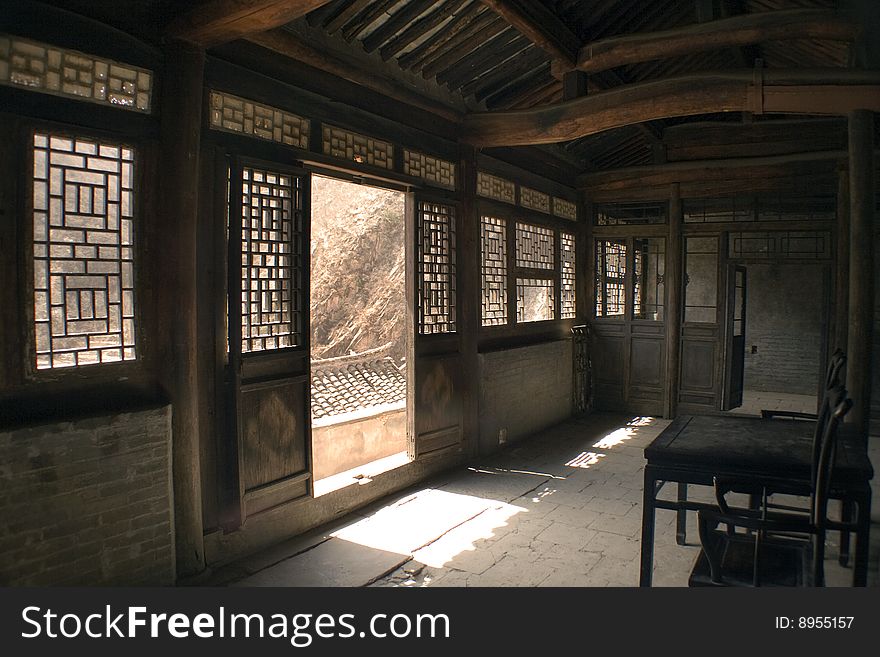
814, 622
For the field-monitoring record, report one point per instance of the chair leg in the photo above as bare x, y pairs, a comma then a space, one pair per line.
847, 509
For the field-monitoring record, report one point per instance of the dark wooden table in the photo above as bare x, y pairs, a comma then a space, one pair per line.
696, 448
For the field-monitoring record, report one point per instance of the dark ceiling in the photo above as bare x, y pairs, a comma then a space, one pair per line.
464, 48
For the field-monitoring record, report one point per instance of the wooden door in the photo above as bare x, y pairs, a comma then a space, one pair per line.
267, 377
434, 373
629, 350
736, 330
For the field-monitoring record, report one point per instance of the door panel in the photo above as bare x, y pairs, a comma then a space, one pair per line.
736, 329
629, 345
435, 378
268, 366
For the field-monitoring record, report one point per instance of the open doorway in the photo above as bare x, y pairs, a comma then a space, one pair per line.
776, 350
359, 340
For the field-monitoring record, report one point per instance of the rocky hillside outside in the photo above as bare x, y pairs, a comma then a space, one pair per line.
358, 298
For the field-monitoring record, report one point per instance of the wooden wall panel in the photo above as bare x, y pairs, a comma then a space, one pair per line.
273, 435
438, 403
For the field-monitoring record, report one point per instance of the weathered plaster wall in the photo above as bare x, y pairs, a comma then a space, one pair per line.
346, 445
784, 321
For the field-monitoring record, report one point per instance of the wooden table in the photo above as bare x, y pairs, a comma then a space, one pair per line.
696, 448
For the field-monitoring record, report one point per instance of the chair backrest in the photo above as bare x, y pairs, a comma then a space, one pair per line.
835, 368
823, 466
831, 396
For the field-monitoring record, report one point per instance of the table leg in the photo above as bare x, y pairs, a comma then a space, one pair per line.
681, 515
846, 516
863, 537
648, 511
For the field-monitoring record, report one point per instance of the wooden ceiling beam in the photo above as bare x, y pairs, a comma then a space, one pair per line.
541, 26
221, 21
286, 44
620, 180
737, 31
798, 91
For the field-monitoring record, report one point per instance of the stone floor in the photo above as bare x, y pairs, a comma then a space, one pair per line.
755, 401
562, 508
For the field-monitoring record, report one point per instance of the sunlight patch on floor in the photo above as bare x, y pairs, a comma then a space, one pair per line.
420, 519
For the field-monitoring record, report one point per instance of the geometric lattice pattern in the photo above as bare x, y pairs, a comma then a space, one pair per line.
82, 248
534, 247
610, 273
565, 209
271, 247
357, 148
234, 114
627, 214
535, 300
436, 268
567, 277
73, 74
494, 187
493, 247
432, 169
801, 245
532, 198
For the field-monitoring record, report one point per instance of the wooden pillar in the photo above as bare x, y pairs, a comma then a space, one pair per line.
674, 256
841, 274
861, 265
176, 290
468, 259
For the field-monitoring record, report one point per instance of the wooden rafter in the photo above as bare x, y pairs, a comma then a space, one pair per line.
220, 21
827, 91
541, 26
284, 43
737, 31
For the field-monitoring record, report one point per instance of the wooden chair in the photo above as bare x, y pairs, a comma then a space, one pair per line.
778, 549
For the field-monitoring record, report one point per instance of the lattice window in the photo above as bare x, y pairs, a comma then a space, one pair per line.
69, 73
83, 202
567, 277
535, 300
494, 187
532, 198
271, 254
610, 274
432, 169
493, 246
630, 214
799, 245
357, 148
233, 114
723, 209
565, 209
436, 268
534, 247
649, 285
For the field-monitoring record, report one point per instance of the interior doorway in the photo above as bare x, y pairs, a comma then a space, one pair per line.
777, 321
359, 331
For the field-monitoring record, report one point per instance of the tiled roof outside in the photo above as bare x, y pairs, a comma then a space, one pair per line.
357, 382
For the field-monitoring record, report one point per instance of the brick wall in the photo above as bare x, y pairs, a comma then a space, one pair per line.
784, 320
523, 390
88, 501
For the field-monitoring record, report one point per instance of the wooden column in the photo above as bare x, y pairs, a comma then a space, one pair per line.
861, 265
468, 259
674, 256
176, 290
841, 274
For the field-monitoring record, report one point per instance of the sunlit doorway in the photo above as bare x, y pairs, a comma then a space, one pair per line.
358, 308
